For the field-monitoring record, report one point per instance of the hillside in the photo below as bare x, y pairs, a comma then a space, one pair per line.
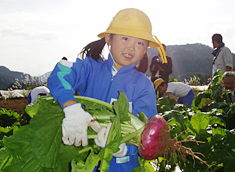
188, 59
44, 77
8, 77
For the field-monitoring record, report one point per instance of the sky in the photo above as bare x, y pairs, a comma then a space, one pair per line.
36, 34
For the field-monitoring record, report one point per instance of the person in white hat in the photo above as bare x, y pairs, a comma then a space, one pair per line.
128, 37
36, 93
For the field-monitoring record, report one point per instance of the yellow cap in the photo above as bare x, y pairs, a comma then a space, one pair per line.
132, 22
157, 82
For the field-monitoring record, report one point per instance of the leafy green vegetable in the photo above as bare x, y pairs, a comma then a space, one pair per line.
9, 122
38, 146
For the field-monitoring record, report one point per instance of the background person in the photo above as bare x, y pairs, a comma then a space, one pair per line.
3, 97
223, 58
103, 79
183, 91
36, 93
159, 69
64, 58
228, 82
143, 64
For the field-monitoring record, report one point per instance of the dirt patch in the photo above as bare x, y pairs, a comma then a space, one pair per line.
16, 104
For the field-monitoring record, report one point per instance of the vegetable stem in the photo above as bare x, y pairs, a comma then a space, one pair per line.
132, 135
88, 148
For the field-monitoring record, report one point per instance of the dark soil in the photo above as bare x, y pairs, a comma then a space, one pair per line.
16, 104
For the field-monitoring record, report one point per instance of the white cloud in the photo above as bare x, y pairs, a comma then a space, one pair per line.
36, 34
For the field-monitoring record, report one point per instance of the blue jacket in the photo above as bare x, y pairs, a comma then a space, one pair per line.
94, 79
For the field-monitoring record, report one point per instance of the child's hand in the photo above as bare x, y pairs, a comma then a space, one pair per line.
75, 123
102, 139
103, 136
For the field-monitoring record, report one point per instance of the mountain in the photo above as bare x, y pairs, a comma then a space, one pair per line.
44, 77
188, 59
8, 78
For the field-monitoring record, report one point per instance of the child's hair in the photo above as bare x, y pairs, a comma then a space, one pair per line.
217, 37
228, 74
143, 64
93, 49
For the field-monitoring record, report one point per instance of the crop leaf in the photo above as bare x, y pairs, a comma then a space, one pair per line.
121, 107
87, 166
144, 166
38, 146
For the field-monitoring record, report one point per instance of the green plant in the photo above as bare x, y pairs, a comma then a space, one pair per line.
206, 131
44, 133
9, 123
209, 127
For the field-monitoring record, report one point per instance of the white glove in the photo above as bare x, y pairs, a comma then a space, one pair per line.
103, 136
75, 123
122, 152
102, 139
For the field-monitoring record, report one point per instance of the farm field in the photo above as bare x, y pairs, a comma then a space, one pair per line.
15, 104
18, 102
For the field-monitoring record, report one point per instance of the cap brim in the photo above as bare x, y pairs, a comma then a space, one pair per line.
152, 41
156, 84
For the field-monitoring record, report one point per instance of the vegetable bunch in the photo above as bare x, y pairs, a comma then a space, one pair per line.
38, 146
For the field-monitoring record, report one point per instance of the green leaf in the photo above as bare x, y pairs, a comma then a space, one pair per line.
217, 94
177, 116
200, 122
46, 132
229, 162
19, 146
230, 137
143, 117
38, 146
230, 118
91, 161
4, 158
106, 154
121, 107
200, 99
32, 109
164, 101
144, 166
217, 77
113, 143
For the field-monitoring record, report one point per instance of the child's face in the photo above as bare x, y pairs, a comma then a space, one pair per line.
126, 50
162, 89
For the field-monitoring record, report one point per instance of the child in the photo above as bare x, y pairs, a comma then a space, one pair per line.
183, 91
127, 37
